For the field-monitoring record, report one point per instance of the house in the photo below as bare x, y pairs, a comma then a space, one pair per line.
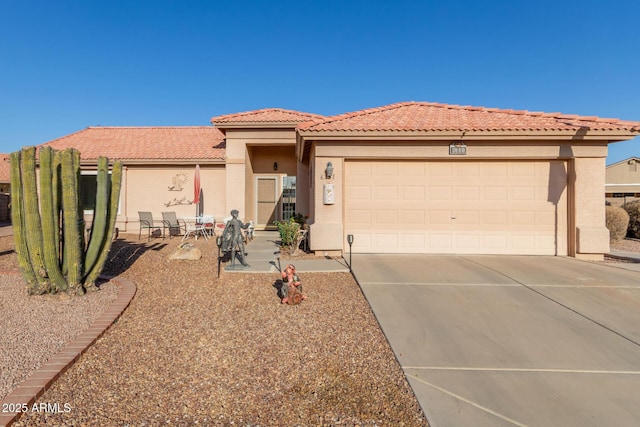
622, 182
5, 173
411, 177
5, 187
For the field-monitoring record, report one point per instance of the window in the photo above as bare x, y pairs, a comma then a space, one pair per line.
288, 197
88, 187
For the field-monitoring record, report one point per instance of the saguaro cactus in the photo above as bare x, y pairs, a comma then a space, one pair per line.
49, 235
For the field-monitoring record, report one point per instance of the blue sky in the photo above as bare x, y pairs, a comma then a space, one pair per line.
66, 65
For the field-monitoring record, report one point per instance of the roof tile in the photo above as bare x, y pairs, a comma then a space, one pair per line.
145, 143
423, 116
267, 115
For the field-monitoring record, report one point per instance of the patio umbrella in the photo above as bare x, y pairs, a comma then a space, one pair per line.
196, 189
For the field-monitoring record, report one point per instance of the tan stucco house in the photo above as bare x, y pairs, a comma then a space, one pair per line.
411, 177
622, 181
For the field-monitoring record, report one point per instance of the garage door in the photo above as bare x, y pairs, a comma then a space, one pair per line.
463, 207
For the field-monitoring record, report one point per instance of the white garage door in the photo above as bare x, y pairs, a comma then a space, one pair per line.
462, 207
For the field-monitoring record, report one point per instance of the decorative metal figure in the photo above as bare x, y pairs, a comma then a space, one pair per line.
233, 240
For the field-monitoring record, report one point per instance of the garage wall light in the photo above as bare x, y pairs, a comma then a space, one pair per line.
328, 173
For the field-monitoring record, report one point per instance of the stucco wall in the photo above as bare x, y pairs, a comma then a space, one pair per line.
168, 188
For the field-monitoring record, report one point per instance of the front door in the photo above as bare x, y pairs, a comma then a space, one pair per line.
266, 200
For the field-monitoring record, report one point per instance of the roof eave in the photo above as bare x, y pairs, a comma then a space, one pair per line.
146, 162
255, 125
553, 134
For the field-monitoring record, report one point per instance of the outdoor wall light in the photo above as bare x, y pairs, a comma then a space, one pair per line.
275, 166
329, 171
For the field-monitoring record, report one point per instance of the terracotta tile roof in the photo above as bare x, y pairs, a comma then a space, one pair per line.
5, 168
267, 115
426, 116
146, 143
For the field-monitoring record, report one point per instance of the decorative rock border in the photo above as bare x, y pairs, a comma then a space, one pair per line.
37, 383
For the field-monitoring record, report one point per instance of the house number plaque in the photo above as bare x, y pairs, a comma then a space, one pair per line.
457, 149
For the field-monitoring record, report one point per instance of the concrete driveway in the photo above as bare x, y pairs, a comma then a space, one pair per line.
511, 340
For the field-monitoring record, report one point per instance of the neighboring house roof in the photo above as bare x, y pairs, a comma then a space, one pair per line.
268, 117
5, 168
623, 176
440, 118
627, 161
146, 144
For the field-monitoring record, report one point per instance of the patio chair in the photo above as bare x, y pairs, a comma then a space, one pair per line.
147, 222
208, 223
176, 227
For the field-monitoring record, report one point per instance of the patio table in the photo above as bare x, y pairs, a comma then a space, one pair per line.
198, 225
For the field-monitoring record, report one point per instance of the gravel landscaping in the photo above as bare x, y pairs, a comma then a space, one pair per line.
193, 349
196, 349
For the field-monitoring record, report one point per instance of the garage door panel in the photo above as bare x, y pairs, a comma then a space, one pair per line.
359, 216
386, 168
495, 242
388, 217
413, 217
359, 192
493, 218
439, 217
470, 193
386, 192
413, 241
501, 207
413, 192
413, 170
467, 218
496, 193
439, 169
439, 242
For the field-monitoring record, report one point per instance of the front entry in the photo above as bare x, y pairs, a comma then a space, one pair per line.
266, 200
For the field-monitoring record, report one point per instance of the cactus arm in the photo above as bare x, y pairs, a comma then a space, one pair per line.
33, 228
56, 196
71, 219
81, 222
112, 214
17, 219
50, 229
99, 225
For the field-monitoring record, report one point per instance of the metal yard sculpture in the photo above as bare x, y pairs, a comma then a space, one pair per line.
48, 220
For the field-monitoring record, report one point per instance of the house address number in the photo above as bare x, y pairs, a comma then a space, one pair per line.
458, 149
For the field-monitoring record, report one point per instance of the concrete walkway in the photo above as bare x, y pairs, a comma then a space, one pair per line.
511, 340
262, 256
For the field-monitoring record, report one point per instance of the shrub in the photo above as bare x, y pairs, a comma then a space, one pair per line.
292, 234
288, 231
617, 222
633, 209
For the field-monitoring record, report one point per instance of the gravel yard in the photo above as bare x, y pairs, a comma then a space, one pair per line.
194, 349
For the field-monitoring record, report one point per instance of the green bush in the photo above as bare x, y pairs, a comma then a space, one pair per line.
617, 222
288, 231
633, 209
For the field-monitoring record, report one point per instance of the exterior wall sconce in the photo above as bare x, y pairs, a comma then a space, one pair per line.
328, 173
275, 166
